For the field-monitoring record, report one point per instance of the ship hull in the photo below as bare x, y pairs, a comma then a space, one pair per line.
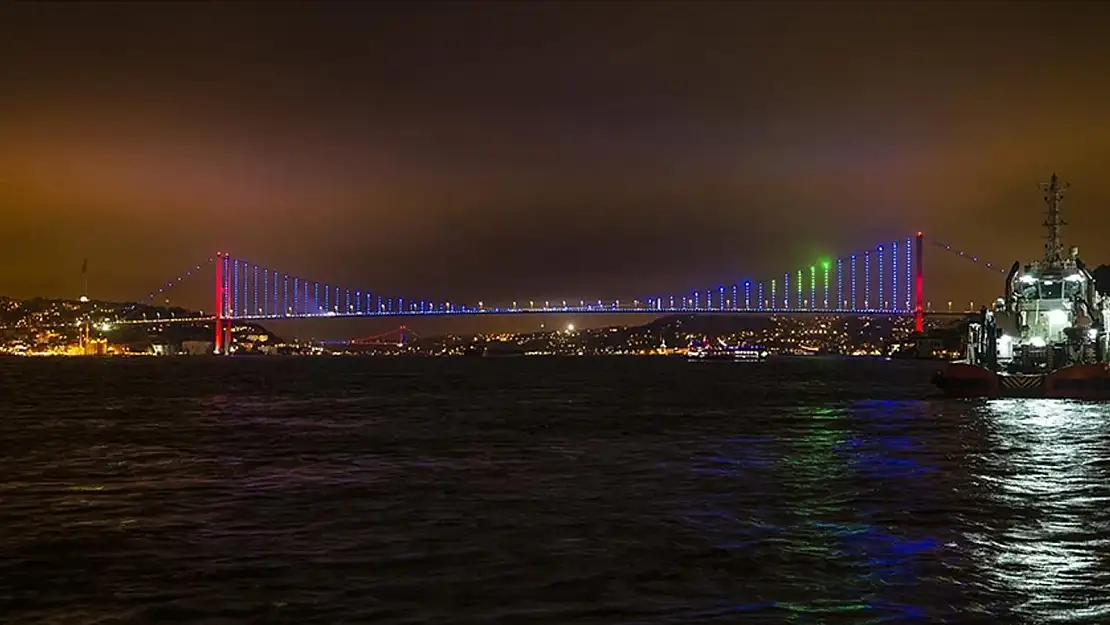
1090, 381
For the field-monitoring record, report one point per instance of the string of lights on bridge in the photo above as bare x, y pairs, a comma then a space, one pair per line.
162, 290
874, 281
397, 336
878, 281
970, 257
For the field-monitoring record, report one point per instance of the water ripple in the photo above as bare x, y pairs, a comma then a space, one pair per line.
541, 491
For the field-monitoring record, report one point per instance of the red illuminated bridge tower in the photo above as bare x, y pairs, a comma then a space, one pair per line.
222, 317
919, 284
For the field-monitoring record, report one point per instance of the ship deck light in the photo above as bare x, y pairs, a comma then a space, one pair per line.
1057, 317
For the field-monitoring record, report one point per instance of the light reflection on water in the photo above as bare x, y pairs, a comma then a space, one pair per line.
840, 553
934, 511
1045, 471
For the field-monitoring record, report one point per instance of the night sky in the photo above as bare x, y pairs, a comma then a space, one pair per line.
514, 150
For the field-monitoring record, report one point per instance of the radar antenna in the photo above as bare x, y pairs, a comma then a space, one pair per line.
1053, 197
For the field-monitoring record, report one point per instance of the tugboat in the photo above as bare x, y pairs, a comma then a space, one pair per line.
703, 351
1047, 337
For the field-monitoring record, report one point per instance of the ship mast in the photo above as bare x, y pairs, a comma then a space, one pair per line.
1053, 197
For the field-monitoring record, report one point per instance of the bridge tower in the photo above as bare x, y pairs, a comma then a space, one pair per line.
223, 314
219, 343
919, 284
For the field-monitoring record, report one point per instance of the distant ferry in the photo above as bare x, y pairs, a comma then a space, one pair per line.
706, 352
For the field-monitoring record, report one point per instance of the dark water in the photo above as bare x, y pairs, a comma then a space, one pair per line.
541, 491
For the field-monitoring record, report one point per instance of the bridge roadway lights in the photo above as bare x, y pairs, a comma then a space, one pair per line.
228, 321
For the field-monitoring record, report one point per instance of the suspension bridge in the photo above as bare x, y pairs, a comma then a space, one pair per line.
888, 279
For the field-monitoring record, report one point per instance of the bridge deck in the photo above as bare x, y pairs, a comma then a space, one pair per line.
551, 311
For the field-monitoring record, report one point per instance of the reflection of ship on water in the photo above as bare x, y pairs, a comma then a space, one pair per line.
1043, 543
710, 351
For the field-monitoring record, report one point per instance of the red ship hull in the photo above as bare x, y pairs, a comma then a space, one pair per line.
1071, 382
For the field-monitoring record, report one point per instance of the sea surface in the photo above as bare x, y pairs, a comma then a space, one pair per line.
533, 490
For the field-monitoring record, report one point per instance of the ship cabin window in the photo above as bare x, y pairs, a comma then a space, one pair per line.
1052, 289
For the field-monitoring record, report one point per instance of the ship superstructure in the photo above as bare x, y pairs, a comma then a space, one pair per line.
1050, 320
